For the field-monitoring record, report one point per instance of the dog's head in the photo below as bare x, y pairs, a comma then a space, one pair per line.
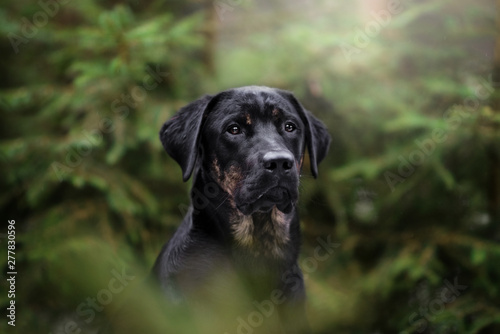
251, 141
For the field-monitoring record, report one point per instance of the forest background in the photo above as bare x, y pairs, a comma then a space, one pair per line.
407, 203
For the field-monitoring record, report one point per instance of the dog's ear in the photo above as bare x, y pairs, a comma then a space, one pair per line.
317, 137
180, 134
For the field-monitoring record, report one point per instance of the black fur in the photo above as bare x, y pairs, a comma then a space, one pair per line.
244, 148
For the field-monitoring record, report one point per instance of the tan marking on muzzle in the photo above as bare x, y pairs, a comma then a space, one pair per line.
228, 180
299, 164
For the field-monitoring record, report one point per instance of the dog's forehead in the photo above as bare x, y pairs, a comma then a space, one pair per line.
251, 101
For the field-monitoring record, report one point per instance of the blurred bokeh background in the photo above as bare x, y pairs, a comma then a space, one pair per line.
407, 203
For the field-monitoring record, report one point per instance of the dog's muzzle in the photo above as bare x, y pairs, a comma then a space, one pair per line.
278, 196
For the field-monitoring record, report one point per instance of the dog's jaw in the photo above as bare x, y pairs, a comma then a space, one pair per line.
274, 198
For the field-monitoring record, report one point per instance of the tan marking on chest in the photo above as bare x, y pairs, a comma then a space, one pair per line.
269, 235
242, 227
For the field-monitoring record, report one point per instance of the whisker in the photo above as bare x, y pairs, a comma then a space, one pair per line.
224, 201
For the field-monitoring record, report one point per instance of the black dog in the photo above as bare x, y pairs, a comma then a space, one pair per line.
245, 147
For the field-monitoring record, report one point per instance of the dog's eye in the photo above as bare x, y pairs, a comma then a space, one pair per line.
290, 127
234, 129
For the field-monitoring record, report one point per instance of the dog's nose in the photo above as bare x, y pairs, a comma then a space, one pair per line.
278, 161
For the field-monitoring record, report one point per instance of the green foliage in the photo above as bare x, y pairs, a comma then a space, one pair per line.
408, 190
82, 163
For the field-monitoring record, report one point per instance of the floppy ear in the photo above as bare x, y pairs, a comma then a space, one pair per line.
180, 134
317, 137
